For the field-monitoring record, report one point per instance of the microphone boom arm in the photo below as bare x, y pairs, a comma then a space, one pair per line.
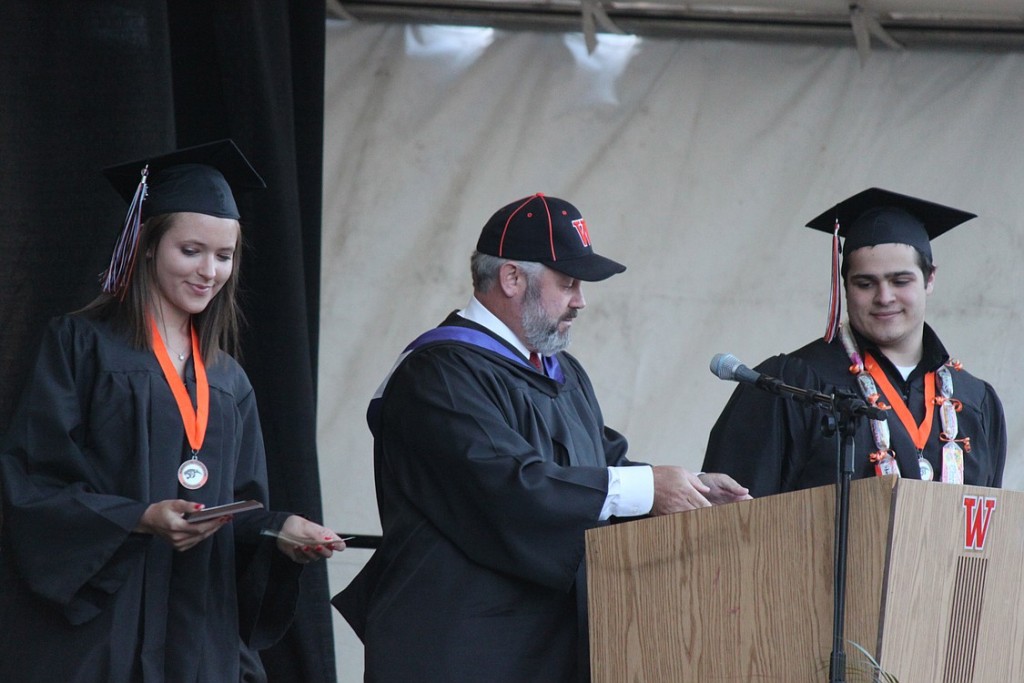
841, 402
727, 366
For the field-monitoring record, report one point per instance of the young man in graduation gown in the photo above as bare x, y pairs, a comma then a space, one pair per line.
490, 467
942, 422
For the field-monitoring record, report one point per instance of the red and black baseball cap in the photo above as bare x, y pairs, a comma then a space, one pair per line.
546, 230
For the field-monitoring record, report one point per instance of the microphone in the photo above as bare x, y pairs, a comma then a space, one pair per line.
728, 367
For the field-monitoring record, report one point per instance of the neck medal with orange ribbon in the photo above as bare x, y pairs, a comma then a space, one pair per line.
192, 474
868, 372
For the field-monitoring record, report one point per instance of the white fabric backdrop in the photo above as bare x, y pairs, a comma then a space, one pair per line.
695, 163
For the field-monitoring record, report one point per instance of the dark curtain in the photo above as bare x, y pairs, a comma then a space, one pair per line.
87, 84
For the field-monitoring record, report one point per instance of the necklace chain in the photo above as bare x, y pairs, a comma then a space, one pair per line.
182, 355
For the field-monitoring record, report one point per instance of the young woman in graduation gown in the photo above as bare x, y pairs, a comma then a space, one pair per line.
135, 416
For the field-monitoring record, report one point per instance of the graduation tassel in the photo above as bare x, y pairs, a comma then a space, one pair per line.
834, 302
118, 274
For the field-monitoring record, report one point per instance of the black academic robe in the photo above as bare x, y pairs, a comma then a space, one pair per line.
487, 473
97, 438
773, 444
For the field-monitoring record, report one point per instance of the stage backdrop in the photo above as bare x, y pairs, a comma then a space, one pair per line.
695, 163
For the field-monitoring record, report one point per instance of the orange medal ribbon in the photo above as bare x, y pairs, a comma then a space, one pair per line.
195, 419
918, 433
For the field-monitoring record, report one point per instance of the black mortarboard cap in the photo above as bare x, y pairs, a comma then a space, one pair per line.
546, 230
196, 179
876, 216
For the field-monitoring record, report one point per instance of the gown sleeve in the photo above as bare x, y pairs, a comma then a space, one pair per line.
72, 544
268, 581
994, 423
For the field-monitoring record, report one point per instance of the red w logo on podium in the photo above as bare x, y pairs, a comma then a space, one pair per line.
977, 517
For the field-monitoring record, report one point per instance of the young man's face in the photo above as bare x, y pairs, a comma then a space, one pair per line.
885, 298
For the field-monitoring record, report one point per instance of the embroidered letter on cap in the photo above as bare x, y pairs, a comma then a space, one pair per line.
581, 227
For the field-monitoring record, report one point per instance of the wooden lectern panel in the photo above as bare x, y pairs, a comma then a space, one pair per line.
743, 592
739, 592
955, 593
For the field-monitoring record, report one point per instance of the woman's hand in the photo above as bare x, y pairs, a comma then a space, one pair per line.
166, 520
304, 541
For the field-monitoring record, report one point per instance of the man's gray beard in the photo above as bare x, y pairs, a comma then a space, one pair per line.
537, 328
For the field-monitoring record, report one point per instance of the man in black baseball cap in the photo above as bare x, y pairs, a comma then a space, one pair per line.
944, 424
492, 460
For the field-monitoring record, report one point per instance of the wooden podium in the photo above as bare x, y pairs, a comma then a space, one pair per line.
743, 592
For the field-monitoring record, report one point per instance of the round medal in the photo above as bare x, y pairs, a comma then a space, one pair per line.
193, 474
927, 473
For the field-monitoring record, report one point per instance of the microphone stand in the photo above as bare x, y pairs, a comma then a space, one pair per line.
842, 422
844, 410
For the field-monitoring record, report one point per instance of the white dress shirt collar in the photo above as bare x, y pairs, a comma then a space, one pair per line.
479, 314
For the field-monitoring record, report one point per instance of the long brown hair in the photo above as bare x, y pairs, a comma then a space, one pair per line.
218, 325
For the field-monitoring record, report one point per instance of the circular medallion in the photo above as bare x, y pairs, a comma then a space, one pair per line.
927, 473
193, 474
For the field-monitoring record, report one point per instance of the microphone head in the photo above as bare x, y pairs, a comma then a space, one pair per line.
724, 365
727, 366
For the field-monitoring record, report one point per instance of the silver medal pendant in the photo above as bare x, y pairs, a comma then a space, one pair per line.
927, 472
193, 474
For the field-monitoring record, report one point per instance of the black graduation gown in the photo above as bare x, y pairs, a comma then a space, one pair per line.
97, 438
774, 444
488, 473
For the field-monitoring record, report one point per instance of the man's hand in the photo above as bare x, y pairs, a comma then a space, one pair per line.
723, 489
677, 490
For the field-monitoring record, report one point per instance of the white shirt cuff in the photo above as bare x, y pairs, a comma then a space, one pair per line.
630, 492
